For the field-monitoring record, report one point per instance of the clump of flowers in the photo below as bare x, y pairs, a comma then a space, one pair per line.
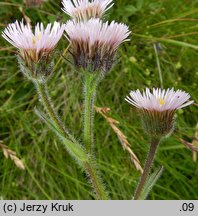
93, 46
157, 108
94, 43
86, 9
35, 47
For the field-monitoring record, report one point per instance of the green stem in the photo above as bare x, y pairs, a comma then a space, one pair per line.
147, 167
90, 85
46, 102
72, 145
96, 181
89, 98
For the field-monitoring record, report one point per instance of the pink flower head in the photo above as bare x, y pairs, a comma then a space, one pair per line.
33, 46
94, 43
158, 107
159, 100
86, 9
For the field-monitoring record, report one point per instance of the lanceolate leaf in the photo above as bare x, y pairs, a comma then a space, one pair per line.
74, 149
150, 183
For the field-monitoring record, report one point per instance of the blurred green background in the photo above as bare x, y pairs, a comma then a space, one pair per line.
50, 172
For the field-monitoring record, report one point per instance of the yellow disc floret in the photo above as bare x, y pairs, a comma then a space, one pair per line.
161, 101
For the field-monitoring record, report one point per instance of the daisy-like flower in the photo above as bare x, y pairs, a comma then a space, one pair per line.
34, 46
158, 107
86, 9
94, 43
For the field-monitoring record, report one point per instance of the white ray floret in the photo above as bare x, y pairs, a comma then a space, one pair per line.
42, 39
86, 9
159, 99
105, 34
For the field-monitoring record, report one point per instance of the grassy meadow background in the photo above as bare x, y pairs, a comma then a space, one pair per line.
50, 172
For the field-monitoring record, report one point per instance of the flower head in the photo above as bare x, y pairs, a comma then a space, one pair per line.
35, 46
86, 9
158, 107
94, 43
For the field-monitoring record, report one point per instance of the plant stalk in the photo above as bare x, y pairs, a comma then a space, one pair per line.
147, 167
72, 144
90, 85
96, 181
46, 102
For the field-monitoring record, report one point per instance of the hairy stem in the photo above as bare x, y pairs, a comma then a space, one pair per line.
96, 181
89, 99
72, 145
46, 102
147, 167
90, 85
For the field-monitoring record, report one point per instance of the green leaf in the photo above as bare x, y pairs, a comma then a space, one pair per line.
140, 4
180, 43
150, 183
75, 149
130, 10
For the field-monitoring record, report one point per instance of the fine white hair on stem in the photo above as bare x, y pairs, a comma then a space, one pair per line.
86, 9
159, 99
